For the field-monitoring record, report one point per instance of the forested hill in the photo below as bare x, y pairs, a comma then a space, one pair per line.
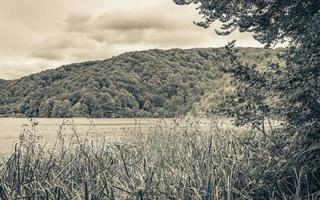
153, 83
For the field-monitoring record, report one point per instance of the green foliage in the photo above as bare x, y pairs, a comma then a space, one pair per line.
154, 83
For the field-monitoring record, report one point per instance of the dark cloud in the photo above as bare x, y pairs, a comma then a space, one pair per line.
157, 27
62, 46
127, 28
50, 54
138, 20
77, 22
37, 34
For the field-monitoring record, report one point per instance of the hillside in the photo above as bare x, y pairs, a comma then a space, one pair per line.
153, 83
3, 83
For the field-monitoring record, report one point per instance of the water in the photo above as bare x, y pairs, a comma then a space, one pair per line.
114, 130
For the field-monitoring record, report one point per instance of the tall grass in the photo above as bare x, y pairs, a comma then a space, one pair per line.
179, 162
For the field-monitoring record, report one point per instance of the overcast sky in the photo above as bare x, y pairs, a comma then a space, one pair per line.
41, 34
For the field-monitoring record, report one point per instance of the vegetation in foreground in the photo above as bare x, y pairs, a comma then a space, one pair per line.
182, 162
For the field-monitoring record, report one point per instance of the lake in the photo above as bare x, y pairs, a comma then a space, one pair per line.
114, 130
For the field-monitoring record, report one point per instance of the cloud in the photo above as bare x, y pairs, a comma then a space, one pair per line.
38, 15
138, 19
77, 22
85, 33
62, 47
39, 34
22, 67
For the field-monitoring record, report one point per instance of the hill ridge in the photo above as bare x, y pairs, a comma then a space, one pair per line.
148, 83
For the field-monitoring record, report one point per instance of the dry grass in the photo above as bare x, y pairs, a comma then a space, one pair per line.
180, 162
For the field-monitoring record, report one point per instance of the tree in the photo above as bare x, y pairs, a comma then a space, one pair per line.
107, 104
159, 77
296, 83
78, 110
46, 107
293, 87
89, 102
61, 109
3, 101
75, 97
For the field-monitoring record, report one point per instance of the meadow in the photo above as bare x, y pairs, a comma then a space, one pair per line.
177, 161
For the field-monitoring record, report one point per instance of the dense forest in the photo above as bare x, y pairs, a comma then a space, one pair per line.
153, 83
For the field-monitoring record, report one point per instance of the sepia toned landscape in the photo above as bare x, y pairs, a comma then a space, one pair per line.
160, 99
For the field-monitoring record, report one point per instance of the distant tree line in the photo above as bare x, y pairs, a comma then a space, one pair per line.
154, 83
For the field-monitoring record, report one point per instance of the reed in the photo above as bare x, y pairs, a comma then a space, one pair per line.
180, 162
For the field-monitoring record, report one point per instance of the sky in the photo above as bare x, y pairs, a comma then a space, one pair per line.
42, 34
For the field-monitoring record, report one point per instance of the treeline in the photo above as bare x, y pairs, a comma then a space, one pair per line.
153, 83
